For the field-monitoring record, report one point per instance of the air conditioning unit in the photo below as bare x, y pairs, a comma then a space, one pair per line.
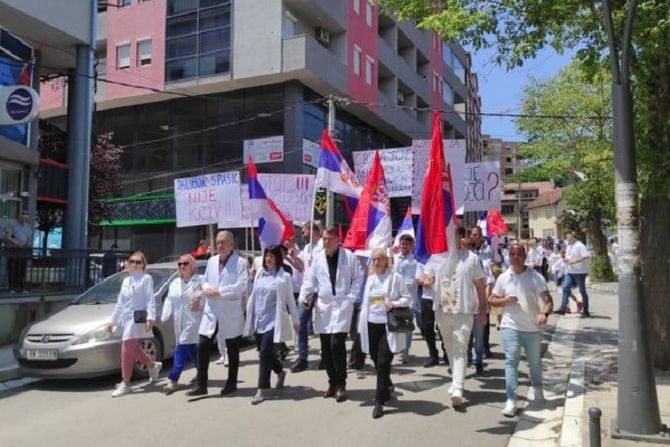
322, 35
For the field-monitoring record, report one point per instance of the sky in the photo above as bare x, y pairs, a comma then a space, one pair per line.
500, 89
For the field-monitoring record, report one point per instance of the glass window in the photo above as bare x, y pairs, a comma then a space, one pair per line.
357, 6
214, 40
181, 69
182, 47
214, 18
123, 56
180, 6
210, 3
459, 70
357, 61
10, 187
288, 30
447, 55
447, 93
368, 13
125, 3
369, 69
182, 25
144, 52
213, 63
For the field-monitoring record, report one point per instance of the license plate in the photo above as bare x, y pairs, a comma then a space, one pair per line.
42, 354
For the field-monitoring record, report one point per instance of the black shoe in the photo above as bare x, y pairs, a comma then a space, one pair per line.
586, 315
377, 411
197, 391
228, 389
479, 369
299, 366
488, 353
431, 362
560, 312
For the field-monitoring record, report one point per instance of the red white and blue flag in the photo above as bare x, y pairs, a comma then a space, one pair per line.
334, 173
492, 224
371, 224
437, 214
26, 75
406, 227
273, 227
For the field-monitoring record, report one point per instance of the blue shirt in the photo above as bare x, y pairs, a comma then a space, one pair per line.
265, 301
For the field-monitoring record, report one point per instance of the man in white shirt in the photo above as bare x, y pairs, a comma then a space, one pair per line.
576, 268
405, 265
19, 238
335, 276
462, 295
519, 291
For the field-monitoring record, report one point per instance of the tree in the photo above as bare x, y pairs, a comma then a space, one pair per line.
105, 178
580, 143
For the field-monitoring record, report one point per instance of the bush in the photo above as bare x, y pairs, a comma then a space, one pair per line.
601, 269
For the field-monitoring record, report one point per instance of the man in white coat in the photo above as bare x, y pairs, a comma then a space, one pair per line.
225, 284
335, 276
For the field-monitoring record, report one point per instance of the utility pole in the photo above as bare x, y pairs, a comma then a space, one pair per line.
518, 216
330, 198
638, 414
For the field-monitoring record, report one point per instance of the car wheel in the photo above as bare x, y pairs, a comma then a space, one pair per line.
154, 349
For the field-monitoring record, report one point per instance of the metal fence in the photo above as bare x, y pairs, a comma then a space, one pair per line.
37, 271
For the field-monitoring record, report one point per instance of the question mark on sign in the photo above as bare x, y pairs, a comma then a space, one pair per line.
497, 180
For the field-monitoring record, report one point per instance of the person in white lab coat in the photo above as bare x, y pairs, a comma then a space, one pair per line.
335, 276
384, 290
270, 315
135, 314
223, 314
185, 300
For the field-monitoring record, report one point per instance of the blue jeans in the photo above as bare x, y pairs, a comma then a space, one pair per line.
512, 341
182, 354
478, 341
305, 316
570, 280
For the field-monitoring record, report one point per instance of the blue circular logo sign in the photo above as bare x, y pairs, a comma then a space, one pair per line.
19, 104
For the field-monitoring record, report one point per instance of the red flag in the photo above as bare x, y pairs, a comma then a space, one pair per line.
340, 235
495, 224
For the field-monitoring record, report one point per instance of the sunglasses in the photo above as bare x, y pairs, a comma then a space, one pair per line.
182, 264
135, 261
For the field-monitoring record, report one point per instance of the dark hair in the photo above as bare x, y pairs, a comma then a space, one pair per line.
461, 232
275, 250
406, 238
332, 230
313, 226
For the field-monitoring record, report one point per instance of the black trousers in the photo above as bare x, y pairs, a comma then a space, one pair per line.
334, 355
382, 357
16, 272
357, 356
268, 361
204, 351
428, 320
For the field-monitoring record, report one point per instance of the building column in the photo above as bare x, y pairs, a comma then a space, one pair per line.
294, 96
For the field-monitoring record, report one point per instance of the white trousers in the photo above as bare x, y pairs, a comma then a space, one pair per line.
455, 330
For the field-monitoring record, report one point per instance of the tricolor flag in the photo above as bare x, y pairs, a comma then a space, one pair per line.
406, 227
492, 224
273, 227
437, 213
371, 224
26, 75
334, 173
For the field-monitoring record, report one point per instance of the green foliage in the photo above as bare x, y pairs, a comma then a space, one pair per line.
601, 270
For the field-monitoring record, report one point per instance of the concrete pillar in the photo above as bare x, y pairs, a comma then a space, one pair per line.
293, 128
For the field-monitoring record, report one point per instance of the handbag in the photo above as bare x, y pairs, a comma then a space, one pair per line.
399, 319
140, 316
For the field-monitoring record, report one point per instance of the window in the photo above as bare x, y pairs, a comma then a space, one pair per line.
144, 52
507, 209
290, 23
459, 70
198, 38
124, 2
357, 6
447, 93
11, 186
509, 171
368, 13
369, 66
123, 56
357, 60
547, 213
509, 159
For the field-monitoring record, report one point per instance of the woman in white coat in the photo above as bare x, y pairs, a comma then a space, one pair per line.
384, 290
135, 314
185, 300
267, 318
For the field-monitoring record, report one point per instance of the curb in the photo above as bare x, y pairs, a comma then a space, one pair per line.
604, 287
573, 410
9, 373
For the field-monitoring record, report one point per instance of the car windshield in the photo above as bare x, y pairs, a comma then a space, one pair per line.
108, 290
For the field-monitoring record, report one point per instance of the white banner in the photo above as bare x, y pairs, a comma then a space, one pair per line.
264, 150
397, 164
310, 153
454, 152
482, 186
245, 218
204, 199
292, 193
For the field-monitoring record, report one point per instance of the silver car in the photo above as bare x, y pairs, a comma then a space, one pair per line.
74, 343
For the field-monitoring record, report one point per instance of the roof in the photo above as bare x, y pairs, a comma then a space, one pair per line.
546, 198
540, 187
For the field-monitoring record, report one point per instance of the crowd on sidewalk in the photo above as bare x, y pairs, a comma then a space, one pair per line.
287, 293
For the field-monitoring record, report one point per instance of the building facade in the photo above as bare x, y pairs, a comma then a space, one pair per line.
183, 83
515, 199
544, 215
497, 149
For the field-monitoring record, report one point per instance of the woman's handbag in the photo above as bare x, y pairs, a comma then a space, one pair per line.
400, 319
140, 316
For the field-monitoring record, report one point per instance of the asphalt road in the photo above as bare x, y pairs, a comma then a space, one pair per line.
73, 413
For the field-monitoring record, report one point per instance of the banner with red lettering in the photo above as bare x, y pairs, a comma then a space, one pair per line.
205, 199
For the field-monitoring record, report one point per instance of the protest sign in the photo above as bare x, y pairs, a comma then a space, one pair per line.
454, 151
264, 150
482, 186
292, 193
310, 153
397, 164
244, 221
204, 199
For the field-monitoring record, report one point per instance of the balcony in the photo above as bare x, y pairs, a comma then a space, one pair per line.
316, 65
52, 183
329, 14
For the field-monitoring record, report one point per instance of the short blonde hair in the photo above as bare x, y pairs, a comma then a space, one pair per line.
191, 261
141, 256
380, 252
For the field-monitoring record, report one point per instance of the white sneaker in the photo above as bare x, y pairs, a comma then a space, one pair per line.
536, 394
121, 389
456, 398
154, 371
451, 390
222, 360
510, 408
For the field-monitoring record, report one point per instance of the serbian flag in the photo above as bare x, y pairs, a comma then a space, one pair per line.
26, 75
437, 201
273, 227
371, 225
334, 173
406, 227
492, 224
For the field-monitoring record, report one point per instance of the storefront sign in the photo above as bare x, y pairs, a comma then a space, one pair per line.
18, 104
264, 150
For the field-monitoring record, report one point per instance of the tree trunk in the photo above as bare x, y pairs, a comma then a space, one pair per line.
655, 250
601, 267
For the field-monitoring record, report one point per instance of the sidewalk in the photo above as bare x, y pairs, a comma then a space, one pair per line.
9, 369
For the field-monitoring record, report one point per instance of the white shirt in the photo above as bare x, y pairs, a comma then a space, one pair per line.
457, 283
428, 292
526, 287
376, 298
179, 303
406, 267
574, 251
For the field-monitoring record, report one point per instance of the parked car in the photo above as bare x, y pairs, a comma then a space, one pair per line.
74, 343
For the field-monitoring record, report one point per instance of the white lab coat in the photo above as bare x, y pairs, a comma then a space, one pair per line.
137, 293
177, 303
332, 313
285, 312
228, 308
396, 290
